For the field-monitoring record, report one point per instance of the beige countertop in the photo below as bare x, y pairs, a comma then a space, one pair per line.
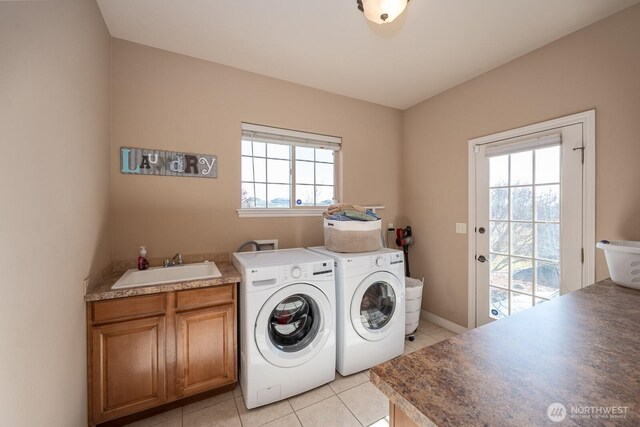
581, 350
101, 289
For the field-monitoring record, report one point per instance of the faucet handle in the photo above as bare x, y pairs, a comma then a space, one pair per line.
180, 261
166, 262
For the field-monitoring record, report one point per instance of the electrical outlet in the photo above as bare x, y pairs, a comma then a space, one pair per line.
390, 227
461, 228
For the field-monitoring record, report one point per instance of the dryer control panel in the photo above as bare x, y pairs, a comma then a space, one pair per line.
386, 260
360, 265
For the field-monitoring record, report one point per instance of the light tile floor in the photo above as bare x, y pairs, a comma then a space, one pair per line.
346, 401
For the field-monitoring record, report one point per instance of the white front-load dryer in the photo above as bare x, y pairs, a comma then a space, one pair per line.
287, 323
370, 313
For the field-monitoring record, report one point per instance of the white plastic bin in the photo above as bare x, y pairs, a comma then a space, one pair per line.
413, 302
623, 260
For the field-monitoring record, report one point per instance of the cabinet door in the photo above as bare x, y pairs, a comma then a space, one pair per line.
205, 349
128, 367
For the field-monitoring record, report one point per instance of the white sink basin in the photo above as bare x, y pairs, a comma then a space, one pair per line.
159, 275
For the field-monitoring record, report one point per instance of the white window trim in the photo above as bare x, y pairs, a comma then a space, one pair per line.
288, 212
588, 121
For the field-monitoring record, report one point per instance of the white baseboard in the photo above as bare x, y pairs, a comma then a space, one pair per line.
441, 321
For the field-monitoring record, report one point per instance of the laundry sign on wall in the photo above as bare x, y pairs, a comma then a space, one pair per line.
141, 161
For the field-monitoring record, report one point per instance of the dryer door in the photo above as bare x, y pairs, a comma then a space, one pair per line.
293, 325
377, 306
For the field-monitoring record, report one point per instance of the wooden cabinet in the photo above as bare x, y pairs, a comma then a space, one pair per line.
150, 350
397, 418
129, 367
205, 356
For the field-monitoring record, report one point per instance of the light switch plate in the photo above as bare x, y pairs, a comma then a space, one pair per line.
461, 228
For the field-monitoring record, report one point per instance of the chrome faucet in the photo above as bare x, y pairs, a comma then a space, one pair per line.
176, 260
247, 243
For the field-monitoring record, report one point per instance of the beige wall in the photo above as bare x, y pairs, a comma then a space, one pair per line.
168, 101
54, 198
596, 67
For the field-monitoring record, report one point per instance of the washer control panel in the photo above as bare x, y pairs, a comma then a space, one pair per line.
307, 271
296, 272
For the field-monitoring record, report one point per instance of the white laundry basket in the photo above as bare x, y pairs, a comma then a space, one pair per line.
413, 302
623, 260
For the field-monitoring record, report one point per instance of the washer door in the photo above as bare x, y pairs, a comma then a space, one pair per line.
374, 305
293, 325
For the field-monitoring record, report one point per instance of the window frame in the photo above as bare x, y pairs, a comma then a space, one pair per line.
292, 139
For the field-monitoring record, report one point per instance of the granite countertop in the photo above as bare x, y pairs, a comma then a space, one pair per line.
581, 350
101, 289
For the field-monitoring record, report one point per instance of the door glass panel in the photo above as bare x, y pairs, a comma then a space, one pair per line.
548, 165
548, 202
522, 275
499, 302
294, 323
499, 237
499, 171
524, 230
499, 275
522, 239
499, 203
547, 279
522, 168
521, 204
548, 241
377, 305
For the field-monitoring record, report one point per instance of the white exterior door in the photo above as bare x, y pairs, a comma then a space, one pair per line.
529, 221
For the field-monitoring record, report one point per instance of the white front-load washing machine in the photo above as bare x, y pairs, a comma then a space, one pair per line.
287, 323
370, 314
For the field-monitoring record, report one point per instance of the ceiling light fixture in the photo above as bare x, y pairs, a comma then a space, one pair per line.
382, 11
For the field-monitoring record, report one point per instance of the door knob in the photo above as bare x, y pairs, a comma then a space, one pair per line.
482, 258
481, 230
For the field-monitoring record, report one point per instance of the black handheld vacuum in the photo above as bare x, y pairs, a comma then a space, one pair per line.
404, 238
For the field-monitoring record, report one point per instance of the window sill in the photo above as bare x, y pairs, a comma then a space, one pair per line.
286, 212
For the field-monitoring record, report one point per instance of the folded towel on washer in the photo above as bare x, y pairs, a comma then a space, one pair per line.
353, 216
339, 207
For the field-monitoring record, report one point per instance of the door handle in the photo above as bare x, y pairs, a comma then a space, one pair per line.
482, 258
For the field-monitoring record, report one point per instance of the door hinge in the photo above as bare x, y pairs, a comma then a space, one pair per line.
581, 153
582, 255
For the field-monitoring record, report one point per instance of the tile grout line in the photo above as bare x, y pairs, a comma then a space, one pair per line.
321, 400
349, 409
238, 410
298, 418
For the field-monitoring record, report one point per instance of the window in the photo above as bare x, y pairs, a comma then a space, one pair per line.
287, 169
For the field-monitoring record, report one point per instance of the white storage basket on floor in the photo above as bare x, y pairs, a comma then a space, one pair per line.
413, 302
623, 260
